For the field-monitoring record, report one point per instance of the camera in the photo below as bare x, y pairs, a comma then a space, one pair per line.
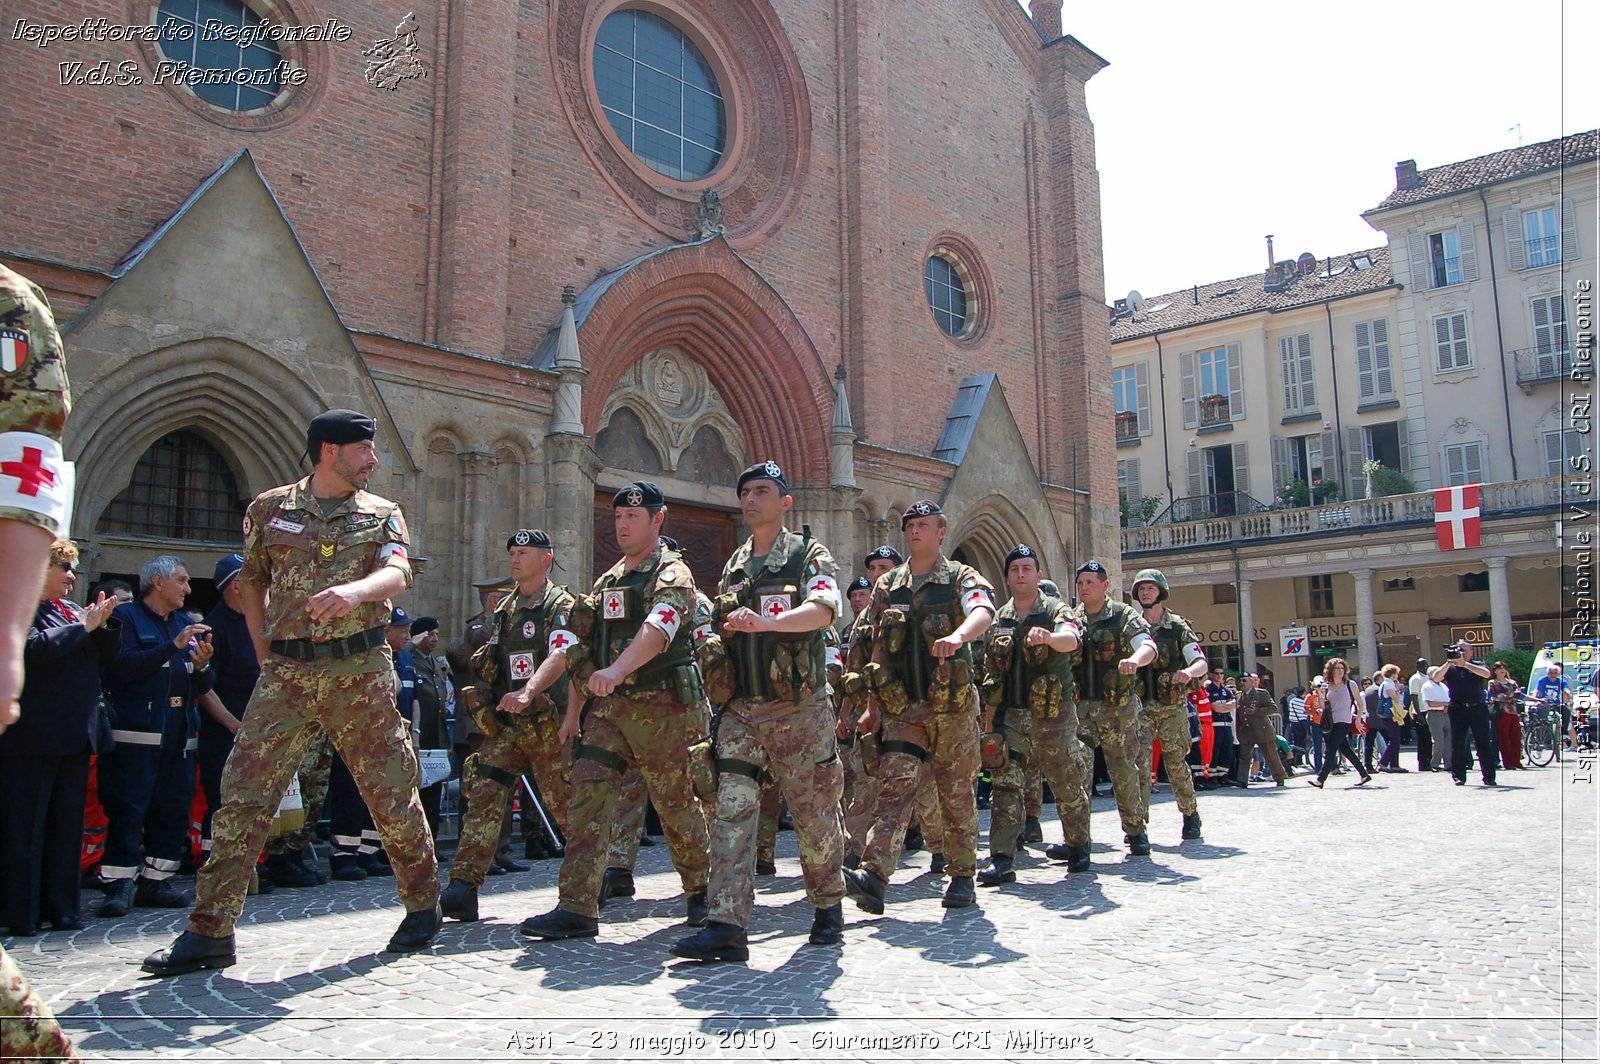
1452, 652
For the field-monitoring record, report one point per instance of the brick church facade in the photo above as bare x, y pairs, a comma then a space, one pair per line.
558, 245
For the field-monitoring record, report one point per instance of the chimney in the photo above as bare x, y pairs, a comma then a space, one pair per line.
1046, 18
1405, 174
1271, 261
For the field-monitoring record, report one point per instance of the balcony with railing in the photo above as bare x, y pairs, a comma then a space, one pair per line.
1214, 410
1446, 270
1543, 250
1540, 365
1227, 520
1127, 426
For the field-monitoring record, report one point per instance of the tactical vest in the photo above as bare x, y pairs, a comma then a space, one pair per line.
1160, 686
612, 635
1018, 666
1098, 677
931, 614
145, 702
754, 653
522, 638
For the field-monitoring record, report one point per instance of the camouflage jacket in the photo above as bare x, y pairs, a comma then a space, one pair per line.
1174, 638
909, 615
35, 479
1013, 666
797, 570
1108, 636
521, 637
659, 592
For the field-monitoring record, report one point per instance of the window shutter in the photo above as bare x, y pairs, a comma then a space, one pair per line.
1365, 371
1569, 231
1307, 374
1197, 481
1191, 406
1235, 384
1141, 387
1421, 274
1511, 222
1241, 468
1382, 364
1475, 464
1402, 432
1469, 252
1291, 380
1282, 473
1355, 452
1541, 323
1132, 486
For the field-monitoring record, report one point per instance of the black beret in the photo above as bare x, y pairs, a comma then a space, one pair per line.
860, 583
668, 542
885, 552
424, 624
339, 427
640, 493
1095, 567
768, 470
530, 537
1021, 550
920, 508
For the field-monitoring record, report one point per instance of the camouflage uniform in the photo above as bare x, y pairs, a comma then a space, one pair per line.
315, 772
521, 637
929, 710
779, 722
34, 401
1109, 707
650, 721
1166, 711
295, 549
861, 786
1028, 687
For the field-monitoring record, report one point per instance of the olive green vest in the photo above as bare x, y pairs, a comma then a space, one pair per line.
612, 636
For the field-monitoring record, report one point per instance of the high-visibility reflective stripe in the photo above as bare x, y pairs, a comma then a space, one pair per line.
137, 738
118, 871
161, 864
191, 746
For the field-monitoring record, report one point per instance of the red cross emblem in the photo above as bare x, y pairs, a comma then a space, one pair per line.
30, 472
559, 640
820, 585
522, 666
668, 615
612, 609
774, 608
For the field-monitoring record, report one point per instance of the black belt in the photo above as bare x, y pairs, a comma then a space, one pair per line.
306, 650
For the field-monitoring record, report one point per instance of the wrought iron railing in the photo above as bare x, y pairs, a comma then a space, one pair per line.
1539, 365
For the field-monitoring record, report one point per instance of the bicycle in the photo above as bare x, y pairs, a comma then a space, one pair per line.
1541, 733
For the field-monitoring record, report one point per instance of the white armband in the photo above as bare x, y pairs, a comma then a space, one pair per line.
1142, 639
702, 632
832, 658
36, 479
1069, 628
390, 551
976, 599
1192, 654
560, 640
823, 589
665, 619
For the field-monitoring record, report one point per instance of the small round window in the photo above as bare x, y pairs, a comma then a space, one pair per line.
221, 51
660, 95
947, 295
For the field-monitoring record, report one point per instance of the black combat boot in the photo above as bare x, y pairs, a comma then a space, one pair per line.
936, 865
617, 883
766, 868
287, 870
959, 894
1139, 845
696, 909
914, 840
160, 894
827, 927
714, 942
1058, 851
416, 931
1077, 859
1191, 825
376, 864
866, 889
1032, 831
560, 923
1000, 871
119, 898
190, 953
347, 867
460, 901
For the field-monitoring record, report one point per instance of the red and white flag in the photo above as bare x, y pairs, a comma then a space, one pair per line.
1457, 516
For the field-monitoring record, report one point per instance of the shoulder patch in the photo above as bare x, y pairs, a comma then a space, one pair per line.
970, 582
668, 575
394, 525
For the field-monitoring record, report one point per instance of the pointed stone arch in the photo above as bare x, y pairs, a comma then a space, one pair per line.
987, 531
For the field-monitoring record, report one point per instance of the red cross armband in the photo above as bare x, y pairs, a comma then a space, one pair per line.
560, 640
824, 589
976, 598
666, 619
36, 481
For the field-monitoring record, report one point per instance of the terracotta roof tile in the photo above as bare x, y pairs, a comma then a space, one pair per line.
1493, 169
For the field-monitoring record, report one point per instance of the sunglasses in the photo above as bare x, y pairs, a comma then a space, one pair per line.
69, 568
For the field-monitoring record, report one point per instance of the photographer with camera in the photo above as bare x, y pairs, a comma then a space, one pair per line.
1467, 681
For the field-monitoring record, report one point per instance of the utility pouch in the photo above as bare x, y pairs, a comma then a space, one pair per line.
992, 750
892, 627
703, 770
887, 688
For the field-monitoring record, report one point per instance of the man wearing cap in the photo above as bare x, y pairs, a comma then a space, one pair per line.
777, 594
466, 738
430, 726
1166, 689
635, 690
520, 683
233, 662
924, 613
1116, 645
322, 558
1028, 655
1256, 707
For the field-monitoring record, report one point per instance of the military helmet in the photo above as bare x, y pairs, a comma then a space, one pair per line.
1152, 576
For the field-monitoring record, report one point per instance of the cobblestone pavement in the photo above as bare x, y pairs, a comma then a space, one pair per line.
1408, 920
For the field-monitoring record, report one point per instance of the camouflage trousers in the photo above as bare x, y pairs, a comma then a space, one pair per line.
767, 826
862, 791
357, 711
1062, 760
948, 743
1033, 789
489, 778
1117, 731
627, 821
796, 745
651, 731
1171, 725
925, 812
1007, 805
27, 1028
316, 771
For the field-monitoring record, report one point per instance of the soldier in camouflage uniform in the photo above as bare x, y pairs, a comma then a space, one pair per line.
861, 785
1028, 659
35, 508
637, 693
1166, 701
924, 613
1116, 645
778, 593
331, 555
521, 681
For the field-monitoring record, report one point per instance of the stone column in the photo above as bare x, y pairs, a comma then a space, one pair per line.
476, 493
1247, 628
1366, 623
1499, 602
569, 497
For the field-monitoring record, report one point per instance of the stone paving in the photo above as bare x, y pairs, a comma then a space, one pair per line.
1409, 920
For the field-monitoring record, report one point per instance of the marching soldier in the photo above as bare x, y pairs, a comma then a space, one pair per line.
640, 705
1029, 657
521, 682
924, 613
1166, 703
1116, 645
322, 558
777, 595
